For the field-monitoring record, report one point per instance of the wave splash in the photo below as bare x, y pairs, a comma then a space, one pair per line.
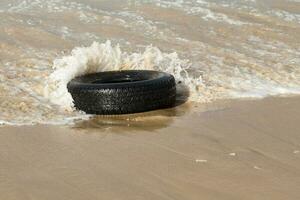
105, 57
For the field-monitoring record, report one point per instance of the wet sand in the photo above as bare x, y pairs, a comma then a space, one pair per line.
226, 150
46, 43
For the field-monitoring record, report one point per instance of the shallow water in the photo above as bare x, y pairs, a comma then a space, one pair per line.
220, 49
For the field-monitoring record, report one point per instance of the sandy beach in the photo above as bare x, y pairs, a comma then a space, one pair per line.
225, 150
235, 134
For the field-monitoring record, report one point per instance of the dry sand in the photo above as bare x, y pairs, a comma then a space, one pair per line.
232, 150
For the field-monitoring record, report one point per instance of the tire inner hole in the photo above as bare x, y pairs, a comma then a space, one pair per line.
116, 80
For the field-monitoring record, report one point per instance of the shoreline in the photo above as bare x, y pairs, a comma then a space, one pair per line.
236, 149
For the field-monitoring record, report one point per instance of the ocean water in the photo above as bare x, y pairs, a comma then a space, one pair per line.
220, 49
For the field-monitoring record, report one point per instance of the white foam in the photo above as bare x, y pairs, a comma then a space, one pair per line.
287, 16
202, 8
105, 57
210, 15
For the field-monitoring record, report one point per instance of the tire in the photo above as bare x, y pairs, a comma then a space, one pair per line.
123, 92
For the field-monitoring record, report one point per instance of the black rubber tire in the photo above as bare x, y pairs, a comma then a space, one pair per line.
123, 92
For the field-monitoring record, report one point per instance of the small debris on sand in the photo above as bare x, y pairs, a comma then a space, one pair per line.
256, 167
200, 161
